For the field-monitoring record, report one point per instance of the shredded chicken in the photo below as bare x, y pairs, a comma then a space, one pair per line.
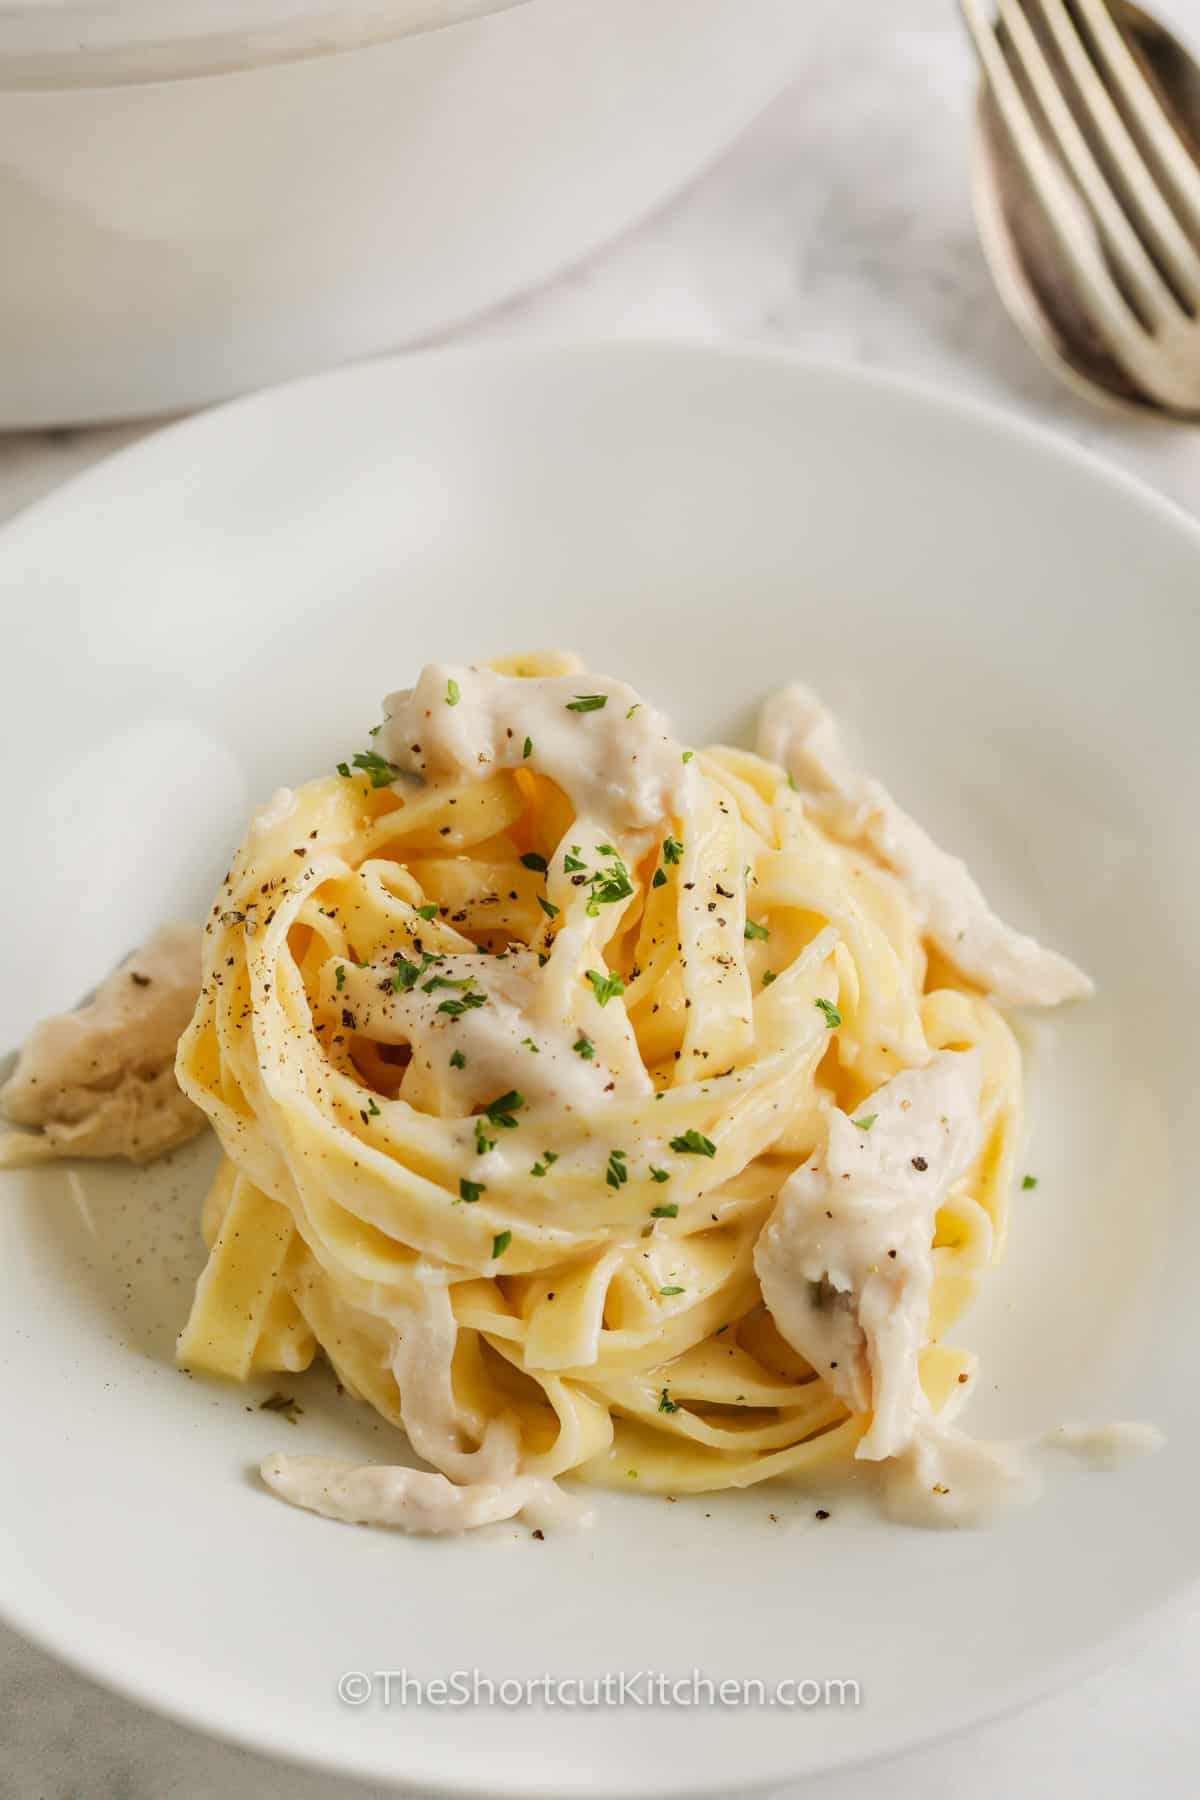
100, 1081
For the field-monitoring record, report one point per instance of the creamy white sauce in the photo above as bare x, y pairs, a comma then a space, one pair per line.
409, 1499
100, 1081
945, 1478
799, 733
279, 808
846, 1261
478, 1486
494, 1039
617, 763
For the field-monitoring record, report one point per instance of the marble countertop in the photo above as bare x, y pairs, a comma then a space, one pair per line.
840, 225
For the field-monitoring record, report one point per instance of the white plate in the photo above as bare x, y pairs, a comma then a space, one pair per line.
1014, 633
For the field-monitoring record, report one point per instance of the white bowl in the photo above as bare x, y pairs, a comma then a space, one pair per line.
1013, 632
195, 200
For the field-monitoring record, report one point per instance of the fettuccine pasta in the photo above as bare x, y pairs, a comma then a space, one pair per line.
600, 1109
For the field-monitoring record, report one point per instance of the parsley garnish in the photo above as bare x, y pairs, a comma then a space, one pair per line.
866, 1122
468, 1001
343, 770
483, 1143
372, 1109
633, 709
660, 879
548, 907
500, 1242
547, 1157
501, 1111
457, 1060
445, 981
608, 886
572, 864
453, 696
340, 977
832, 1015
672, 849
587, 703
670, 1211
670, 1290
605, 986
754, 930
1029, 1181
527, 752
376, 729
692, 1143
470, 1190
405, 975
769, 976
665, 1402
687, 757
528, 1044
617, 1174
427, 912
382, 772
531, 860
792, 782
585, 1047
662, 1175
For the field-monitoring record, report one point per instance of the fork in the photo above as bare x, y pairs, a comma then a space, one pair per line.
1118, 188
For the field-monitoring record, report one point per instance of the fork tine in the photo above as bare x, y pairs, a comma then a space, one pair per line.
1153, 298
1125, 73
1064, 211
1141, 192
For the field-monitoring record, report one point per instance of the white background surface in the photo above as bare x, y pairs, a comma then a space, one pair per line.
841, 225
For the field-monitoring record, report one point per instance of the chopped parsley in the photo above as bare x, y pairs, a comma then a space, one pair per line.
528, 1044
672, 849
792, 782
427, 912
453, 695
754, 930
660, 878
501, 1110
547, 1157
608, 886
572, 864
381, 771
587, 703
548, 907
457, 1060
670, 1211
670, 1290
500, 1242
633, 709
531, 860
866, 1122
404, 976
585, 1047
483, 1143
769, 976
605, 986
282, 1403
372, 1109
665, 1402
343, 770
527, 752
466, 1004
688, 755
662, 1175
692, 1143
340, 977
470, 1190
832, 1015
616, 1174
446, 981
1029, 1181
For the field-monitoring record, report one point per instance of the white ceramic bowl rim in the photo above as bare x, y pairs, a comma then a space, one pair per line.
100, 43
